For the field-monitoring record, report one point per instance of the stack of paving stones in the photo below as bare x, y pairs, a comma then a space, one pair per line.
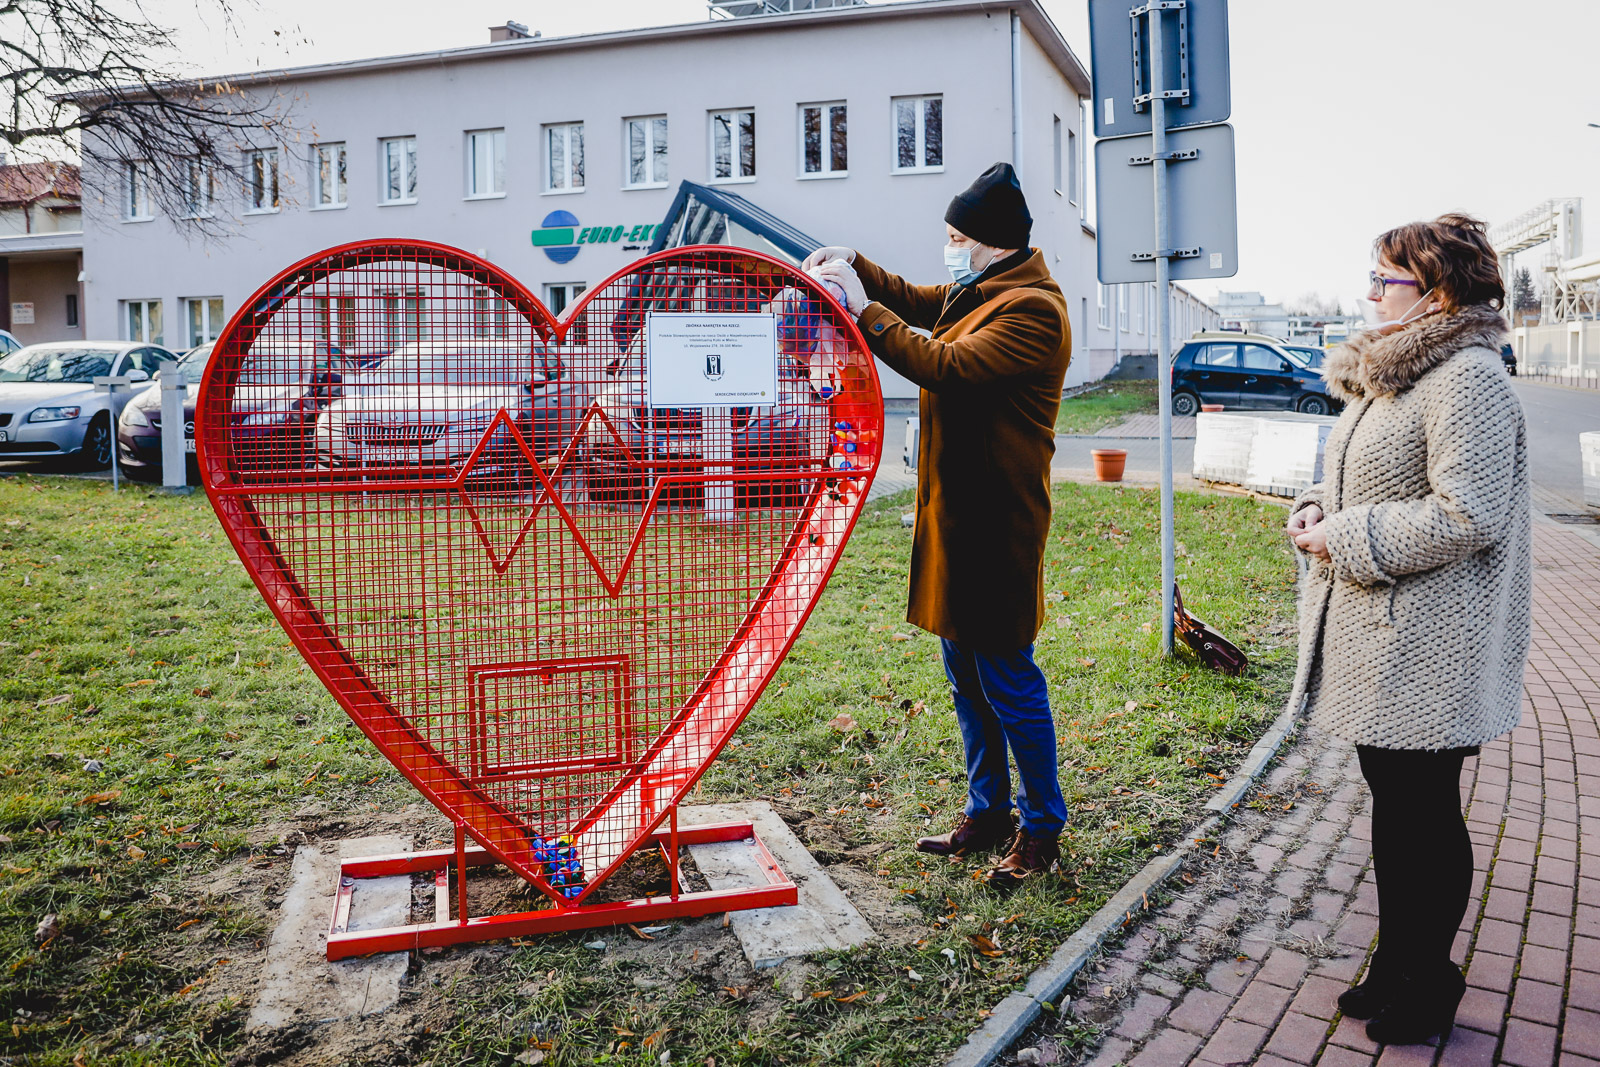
1244, 961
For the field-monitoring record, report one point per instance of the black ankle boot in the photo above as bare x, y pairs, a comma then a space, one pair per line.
1367, 999
1420, 1008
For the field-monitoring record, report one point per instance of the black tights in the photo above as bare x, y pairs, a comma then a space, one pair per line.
1421, 853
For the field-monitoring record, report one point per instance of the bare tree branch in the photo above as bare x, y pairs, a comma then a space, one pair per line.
83, 77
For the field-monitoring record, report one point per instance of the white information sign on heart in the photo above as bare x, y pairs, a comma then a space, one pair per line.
699, 361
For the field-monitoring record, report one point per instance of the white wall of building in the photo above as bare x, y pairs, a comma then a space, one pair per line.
772, 64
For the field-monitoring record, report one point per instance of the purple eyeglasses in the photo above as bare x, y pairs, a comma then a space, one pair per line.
1379, 282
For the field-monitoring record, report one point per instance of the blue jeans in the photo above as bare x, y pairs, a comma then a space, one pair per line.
1001, 701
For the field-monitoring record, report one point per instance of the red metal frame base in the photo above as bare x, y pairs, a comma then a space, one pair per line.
464, 929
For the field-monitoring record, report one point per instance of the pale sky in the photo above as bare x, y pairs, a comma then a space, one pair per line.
1351, 115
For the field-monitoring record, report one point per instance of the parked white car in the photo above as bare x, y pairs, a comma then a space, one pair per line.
8, 343
429, 404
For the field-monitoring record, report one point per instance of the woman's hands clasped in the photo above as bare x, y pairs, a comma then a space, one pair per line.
1305, 529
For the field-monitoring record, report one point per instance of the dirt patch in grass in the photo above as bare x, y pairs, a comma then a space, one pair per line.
163, 751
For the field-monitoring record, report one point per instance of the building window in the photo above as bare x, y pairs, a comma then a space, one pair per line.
329, 178
205, 319
918, 133
1137, 299
733, 145
491, 314
1102, 307
824, 140
72, 309
1122, 308
199, 188
1056, 150
136, 192
261, 180
645, 146
563, 149
334, 319
1074, 192
143, 321
397, 158
559, 296
404, 317
486, 163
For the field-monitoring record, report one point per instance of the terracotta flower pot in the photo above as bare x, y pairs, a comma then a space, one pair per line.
1210, 407
1108, 463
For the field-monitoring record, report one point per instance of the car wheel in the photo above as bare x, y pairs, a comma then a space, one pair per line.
1185, 404
1314, 405
97, 445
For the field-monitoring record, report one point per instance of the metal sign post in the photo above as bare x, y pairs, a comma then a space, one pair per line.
1176, 52
174, 461
110, 384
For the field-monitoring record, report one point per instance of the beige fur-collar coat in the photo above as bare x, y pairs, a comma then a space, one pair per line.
1414, 633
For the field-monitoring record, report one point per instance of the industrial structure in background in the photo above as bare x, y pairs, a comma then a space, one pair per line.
1566, 340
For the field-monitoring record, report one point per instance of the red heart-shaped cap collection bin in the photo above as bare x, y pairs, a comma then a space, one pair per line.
547, 596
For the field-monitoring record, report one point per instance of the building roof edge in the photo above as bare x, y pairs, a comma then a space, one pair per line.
1033, 16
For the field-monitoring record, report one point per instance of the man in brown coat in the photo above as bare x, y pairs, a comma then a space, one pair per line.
991, 377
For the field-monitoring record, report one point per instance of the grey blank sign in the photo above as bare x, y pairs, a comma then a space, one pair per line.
1111, 63
1204, 206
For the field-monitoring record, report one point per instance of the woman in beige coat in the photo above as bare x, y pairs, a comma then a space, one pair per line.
1415, 612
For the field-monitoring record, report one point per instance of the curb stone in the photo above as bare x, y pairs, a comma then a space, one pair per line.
1021, 1009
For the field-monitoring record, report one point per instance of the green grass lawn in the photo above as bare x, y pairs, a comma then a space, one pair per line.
1106, 406
130, 636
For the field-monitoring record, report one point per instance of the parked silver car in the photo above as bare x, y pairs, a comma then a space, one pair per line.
49, 407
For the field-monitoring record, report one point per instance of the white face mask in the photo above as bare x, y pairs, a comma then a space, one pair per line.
1369, 311
959, 262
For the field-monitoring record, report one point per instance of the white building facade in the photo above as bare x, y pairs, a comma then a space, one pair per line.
849, 124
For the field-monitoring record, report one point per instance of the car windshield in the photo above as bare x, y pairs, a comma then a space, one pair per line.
55, 365
1309, 357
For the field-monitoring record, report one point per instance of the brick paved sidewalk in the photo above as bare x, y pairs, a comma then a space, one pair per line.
1244, 964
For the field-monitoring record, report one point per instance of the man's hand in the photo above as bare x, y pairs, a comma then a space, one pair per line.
845, 277
1314, 542
1302, 520
827, 253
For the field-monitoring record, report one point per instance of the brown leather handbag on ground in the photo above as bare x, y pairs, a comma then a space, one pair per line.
1212, 649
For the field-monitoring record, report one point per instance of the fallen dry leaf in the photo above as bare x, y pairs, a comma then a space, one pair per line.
47, 701
843, 722
659, 1035
852, 998
135, 852
985, 946
101, 798
640, 934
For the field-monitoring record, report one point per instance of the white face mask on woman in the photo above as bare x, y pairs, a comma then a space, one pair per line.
1369, 311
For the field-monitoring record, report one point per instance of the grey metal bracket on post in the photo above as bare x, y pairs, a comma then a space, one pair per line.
1165, 253
1195, 75
1180, 94
1170, 157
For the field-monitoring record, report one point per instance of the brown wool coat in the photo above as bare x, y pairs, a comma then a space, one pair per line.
991, 376
1414, 634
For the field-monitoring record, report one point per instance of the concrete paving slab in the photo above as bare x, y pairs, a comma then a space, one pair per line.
823, 919
298, 984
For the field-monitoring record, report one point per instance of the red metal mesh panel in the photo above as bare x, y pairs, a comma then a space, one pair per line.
547, 602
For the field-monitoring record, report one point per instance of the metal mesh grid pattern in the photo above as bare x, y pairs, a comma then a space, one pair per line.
548, 603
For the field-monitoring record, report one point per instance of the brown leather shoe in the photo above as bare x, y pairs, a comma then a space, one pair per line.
1030, 856
984, 834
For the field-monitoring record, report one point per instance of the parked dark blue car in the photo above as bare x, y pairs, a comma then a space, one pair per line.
1247, 371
